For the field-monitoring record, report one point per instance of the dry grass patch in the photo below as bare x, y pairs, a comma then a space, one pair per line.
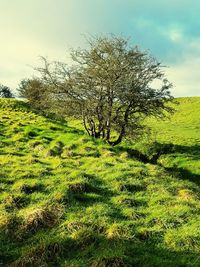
42, 218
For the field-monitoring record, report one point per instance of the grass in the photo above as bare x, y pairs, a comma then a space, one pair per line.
68, 200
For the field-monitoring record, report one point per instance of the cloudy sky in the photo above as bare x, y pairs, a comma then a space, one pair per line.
170, 30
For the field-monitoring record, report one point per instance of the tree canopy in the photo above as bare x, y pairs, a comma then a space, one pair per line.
110, 86
35, 91
5, 91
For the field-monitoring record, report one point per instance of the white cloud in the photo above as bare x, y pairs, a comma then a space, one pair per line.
185, 77
185, 73
175, 35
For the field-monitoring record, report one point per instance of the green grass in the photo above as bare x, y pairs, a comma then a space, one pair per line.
69, 200
182, 131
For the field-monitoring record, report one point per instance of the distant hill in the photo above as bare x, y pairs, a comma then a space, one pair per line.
69, 200
184, 126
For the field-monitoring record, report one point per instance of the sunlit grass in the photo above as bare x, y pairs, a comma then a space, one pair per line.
69, 200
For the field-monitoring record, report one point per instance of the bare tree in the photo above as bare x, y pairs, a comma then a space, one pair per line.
109, 87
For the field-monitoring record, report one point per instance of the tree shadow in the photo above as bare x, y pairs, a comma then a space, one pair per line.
183, 174
189, 152
147, 254
132, 153
155, 150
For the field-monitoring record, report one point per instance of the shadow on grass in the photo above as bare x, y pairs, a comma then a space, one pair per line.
184, 174
155, 150
134, 253
147, 254
91, 249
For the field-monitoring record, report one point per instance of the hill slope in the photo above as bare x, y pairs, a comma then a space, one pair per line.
69, 200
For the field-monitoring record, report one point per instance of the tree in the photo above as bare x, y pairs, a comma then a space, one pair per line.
110, 87
5, 91
35, 91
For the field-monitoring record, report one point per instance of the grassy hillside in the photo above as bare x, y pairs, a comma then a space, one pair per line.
71, 201
182, 133
183, 127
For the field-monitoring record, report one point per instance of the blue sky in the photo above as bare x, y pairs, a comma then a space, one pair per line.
168, 29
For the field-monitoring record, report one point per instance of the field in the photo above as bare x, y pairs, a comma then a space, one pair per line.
68, 200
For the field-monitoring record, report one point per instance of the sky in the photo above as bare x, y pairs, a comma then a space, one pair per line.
169, 30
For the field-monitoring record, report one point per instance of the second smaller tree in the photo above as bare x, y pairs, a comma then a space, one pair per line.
5, 91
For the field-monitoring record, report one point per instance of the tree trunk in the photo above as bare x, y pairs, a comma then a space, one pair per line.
110, 107
108, 133
119, 139
123, 129
85, 125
